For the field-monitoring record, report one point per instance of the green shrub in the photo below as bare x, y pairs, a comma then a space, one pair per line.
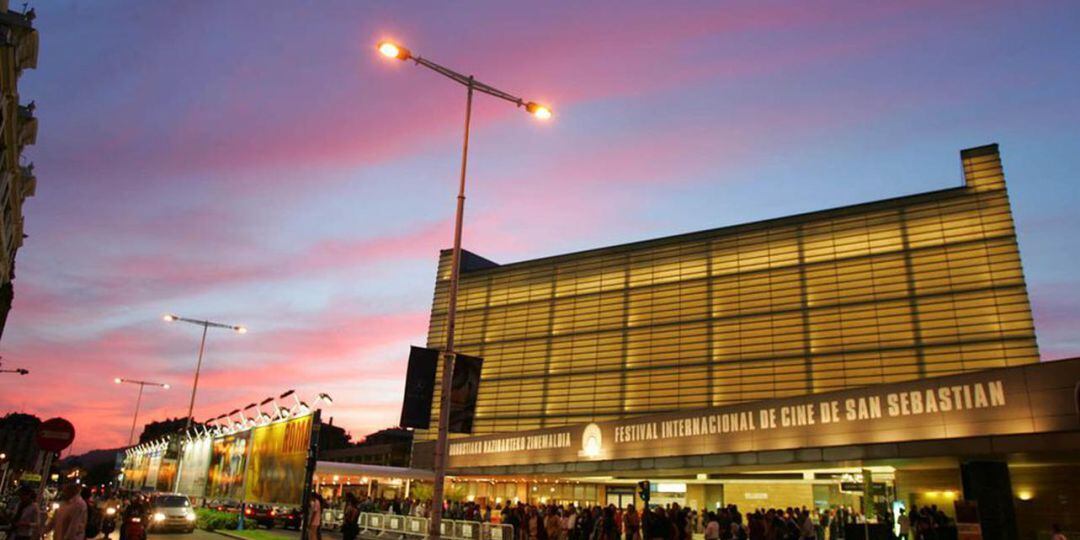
212, 520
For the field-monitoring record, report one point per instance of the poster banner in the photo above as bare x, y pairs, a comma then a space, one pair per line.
226, 473
194, 466
419, 388
464, 390
136, 468
278, 460
152, 471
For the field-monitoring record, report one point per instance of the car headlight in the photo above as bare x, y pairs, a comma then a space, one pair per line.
190, 516
159, 516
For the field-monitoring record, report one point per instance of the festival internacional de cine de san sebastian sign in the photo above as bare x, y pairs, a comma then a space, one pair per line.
1011, 401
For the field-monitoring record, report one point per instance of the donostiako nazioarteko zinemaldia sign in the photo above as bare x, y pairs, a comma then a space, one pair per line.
1028, 399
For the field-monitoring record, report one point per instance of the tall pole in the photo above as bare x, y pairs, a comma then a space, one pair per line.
135, 420
198, 368
448, 353
393, 50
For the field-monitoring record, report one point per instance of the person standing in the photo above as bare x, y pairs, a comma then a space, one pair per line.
350, 527
632, 523
905, 525
712, 526
69, 521
315, 508
1056, 533
24, 525
807, 527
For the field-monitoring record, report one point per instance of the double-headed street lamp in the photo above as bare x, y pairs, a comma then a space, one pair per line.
206, 325
138, 401
394, 50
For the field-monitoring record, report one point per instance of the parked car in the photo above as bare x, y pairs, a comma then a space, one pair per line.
288, 518
263, 516
225, 506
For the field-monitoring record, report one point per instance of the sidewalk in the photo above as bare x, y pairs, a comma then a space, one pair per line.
274, 534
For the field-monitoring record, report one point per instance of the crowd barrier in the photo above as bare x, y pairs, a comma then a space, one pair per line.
395, 527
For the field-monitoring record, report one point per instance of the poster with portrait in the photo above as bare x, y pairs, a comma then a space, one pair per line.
152, 469
228, 455
194, 466
465, 388
278, 462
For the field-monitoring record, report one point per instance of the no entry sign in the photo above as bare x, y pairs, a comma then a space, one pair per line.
55, 434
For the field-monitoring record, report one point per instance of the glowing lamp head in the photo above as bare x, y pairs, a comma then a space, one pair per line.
165, 386
168, 317
241, 329
118, 380
393, 50
540, 111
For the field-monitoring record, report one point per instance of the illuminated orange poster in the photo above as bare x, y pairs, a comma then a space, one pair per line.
277, 462
227, 459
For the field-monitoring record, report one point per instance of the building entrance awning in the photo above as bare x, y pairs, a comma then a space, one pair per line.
329, 468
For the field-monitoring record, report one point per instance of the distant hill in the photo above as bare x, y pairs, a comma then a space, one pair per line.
92, 458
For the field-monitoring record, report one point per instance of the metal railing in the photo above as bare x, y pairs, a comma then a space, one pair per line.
397, 527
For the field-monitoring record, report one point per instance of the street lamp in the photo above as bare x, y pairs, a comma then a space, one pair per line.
206, 325
393, 50
138, 401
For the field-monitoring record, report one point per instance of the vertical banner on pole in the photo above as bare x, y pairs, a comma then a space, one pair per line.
464, 390
309, 473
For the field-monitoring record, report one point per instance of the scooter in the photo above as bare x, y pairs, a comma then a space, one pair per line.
108, 523
134, 529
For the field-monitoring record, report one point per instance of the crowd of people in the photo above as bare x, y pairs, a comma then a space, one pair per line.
72, 519
670, 522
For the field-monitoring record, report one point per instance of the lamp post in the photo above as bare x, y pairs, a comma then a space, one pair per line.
138, 401
394, 50
206, 325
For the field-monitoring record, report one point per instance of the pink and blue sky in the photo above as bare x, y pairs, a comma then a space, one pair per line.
258, 163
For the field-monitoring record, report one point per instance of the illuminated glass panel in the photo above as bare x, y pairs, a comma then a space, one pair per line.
920, 286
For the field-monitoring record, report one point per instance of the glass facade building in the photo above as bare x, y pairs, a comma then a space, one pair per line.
920, 286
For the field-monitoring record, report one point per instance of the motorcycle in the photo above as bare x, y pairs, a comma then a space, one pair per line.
134, 528
108, 523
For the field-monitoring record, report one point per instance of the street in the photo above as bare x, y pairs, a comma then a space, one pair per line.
197, 535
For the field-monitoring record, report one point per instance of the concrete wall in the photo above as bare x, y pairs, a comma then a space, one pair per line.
1053, 496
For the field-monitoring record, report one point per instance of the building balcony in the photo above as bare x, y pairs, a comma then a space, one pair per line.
27, 127
27, 184
17, 31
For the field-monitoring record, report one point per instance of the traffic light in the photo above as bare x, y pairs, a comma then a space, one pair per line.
643, 490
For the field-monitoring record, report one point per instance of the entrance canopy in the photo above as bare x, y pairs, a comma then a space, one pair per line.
330, 468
